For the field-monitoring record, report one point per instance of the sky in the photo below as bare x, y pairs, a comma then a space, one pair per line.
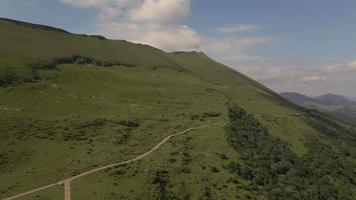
305, 46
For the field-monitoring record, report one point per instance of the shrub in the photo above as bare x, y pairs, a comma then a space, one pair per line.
130, 123
215, 169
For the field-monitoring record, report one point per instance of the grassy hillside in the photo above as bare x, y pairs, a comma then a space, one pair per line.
70, 103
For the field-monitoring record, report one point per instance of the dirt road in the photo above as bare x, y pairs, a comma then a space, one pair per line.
66, 183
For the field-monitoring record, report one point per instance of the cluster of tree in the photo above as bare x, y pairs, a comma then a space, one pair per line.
161, 180
204, 116
129, 123
10, 76
206, 194
277, 173
75, 59
340, 135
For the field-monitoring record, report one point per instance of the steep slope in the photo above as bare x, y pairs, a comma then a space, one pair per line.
71, 103
335, 105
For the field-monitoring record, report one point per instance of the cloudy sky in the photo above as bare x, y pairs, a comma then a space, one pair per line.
307, 46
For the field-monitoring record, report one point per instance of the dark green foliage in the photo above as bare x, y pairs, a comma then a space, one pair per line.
205, 116
331, 128
130, 123
99, 37
75, 59
118, 171
185, 170
278, 173
215, 169
186, 158
161, 180
223, 156
9, 76
322, 159
212, 114
207, 194
234, 167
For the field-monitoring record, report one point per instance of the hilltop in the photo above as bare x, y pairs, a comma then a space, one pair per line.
72, 103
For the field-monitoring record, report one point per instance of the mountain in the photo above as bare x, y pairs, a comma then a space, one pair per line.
333, 99
335, 105
297, 98
93, 118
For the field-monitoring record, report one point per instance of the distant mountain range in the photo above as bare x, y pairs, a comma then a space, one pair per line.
341, 107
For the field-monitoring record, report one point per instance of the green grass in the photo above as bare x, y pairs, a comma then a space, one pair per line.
188, 160
56, 109
55, 193
58, 122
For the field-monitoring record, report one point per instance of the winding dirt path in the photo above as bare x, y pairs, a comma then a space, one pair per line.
66, 182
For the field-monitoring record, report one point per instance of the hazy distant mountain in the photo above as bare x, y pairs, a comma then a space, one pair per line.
336, 105
333, 99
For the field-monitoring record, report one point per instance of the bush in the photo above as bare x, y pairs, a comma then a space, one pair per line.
215, 169
211, 114
161, 179
8, 76
129, 123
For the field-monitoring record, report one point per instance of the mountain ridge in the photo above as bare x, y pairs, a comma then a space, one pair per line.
339, 106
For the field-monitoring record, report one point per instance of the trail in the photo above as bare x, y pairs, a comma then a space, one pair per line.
66, 182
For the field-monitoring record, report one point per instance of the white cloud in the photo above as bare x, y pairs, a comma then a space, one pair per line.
97, 3
287, 78
161, 10
233, 49
167, 37
159, 23
313, 78
349, 67
108, 9
237, 28
275, 73
153, 22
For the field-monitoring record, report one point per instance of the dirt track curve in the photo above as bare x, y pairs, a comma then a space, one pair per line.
66, 182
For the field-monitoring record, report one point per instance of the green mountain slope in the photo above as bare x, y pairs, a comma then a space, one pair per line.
71, 103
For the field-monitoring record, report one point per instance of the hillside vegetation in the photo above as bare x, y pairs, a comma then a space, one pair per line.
70, 103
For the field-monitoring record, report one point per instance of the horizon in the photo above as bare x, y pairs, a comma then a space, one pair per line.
276, 45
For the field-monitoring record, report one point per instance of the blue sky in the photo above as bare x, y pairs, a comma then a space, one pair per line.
308, 46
